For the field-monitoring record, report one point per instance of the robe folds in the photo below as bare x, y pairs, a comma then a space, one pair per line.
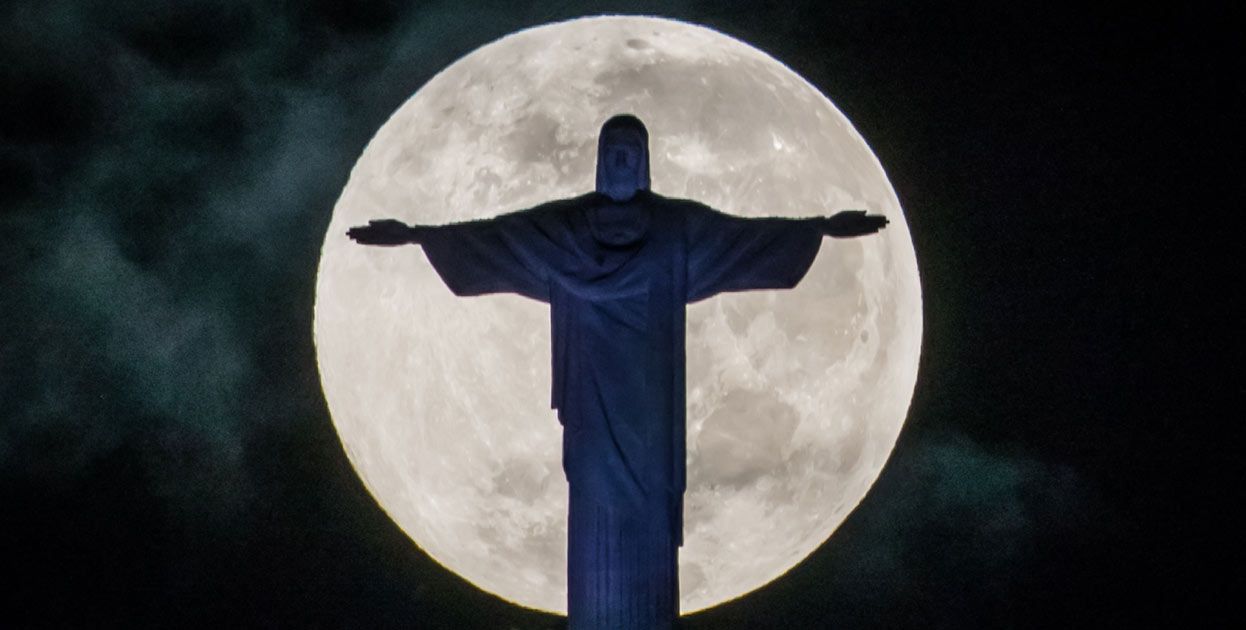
617, 276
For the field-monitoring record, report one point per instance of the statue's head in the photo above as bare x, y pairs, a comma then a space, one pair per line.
622, 157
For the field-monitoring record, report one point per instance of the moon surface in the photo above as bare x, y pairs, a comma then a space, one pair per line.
795, 398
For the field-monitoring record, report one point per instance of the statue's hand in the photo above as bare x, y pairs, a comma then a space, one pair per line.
853, 223
382, 232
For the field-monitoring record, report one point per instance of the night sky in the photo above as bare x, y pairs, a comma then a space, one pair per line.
168, 170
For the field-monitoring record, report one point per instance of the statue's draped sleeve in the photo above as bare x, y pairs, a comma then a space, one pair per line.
730, 253
510, 253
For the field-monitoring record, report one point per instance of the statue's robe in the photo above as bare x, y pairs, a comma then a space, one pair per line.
617, 277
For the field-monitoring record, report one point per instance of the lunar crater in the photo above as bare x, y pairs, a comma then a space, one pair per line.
746, 436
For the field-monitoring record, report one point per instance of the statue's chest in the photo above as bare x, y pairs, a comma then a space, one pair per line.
619, 225
621, 251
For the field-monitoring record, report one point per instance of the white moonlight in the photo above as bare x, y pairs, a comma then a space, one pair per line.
795, 398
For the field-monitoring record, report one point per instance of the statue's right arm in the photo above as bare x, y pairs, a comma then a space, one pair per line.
503, 254
386, 233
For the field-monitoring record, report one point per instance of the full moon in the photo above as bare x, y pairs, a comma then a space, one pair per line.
795, 398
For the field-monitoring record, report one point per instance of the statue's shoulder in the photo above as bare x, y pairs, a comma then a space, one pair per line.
679, 204
561, 209
556, 209
578, 202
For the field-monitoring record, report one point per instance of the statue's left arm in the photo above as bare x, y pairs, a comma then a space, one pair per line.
730, 253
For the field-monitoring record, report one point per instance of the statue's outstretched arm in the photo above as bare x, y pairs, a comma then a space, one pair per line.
851, 223
385, 232
503, 254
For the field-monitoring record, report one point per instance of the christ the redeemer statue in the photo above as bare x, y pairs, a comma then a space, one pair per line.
617, 267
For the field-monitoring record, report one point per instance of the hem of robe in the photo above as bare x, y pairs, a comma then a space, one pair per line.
622, 569
447, 260
809, 253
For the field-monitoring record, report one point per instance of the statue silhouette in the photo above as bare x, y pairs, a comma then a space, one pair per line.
617, 267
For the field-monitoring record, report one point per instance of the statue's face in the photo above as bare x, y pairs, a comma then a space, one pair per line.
622, 155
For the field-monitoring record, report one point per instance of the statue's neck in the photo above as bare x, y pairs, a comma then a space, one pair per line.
619, 223
621, 193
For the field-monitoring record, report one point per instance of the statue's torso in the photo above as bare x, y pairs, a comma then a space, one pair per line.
613, 350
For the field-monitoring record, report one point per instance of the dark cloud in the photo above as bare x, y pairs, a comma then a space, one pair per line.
986, 511
145, 246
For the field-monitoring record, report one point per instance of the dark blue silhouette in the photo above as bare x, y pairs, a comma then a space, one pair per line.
617, 267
